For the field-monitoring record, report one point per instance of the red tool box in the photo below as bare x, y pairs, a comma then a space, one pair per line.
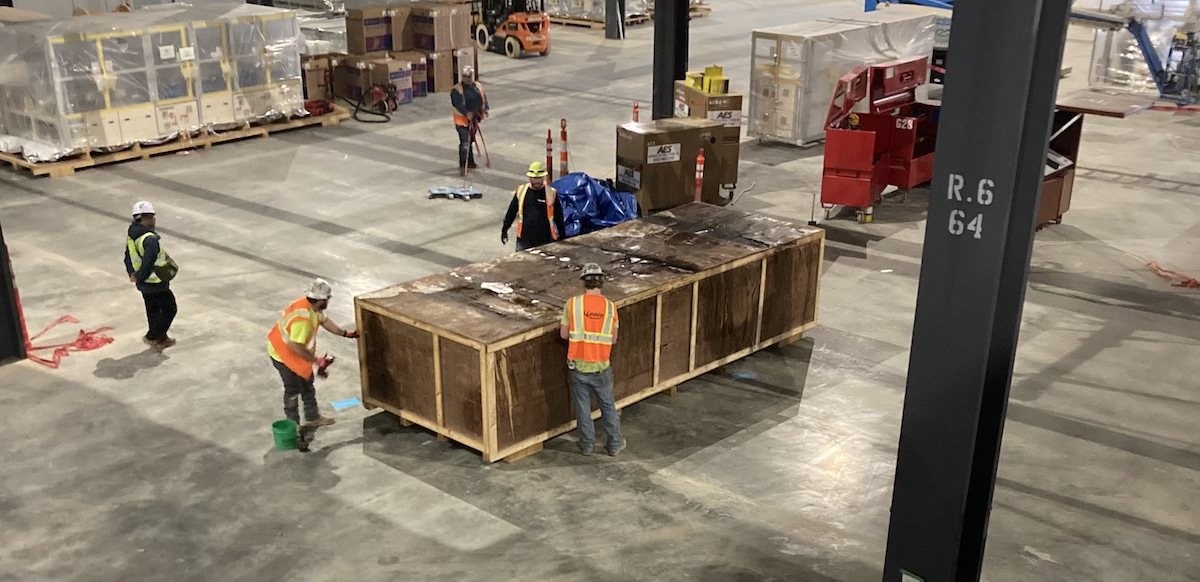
890, 144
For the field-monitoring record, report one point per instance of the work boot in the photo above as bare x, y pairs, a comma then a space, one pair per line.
462, 172
319, 421
614, 452
472, 165
585, 450
170, 341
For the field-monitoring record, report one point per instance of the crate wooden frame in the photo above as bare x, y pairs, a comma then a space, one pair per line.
493, 358
205, 138
597, 24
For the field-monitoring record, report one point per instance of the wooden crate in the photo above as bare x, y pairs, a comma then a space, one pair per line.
597, 24
696, 287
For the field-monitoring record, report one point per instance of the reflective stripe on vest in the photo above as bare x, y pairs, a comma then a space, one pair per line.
551, 196
591, 340
281, 333
460, 119
137, 250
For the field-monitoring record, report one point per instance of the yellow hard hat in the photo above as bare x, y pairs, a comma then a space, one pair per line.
536, 170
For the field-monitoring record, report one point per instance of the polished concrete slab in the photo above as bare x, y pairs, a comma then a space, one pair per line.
126, 465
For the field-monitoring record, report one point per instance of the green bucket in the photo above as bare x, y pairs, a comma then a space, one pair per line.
285, 434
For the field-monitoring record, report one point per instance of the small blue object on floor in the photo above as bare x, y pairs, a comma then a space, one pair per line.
347, 403
744, 376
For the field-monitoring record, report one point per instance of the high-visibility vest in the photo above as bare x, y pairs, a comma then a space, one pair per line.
592, 319
137, 250
460, 119
300, 310
551, 196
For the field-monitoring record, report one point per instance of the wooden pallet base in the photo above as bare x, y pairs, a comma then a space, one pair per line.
693, 12
597, 25
205, 139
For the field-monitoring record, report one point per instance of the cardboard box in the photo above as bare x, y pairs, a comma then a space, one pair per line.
353, 78
445, 68
441, 27
420, 71
395, 73
656, 161
318, 76
369, 29
402, 28
691, 102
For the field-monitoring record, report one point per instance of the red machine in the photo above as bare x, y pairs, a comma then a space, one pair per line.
891, 144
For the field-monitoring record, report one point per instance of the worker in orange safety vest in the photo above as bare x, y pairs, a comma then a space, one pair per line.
470, 107
537, 211
589, 323
292, 345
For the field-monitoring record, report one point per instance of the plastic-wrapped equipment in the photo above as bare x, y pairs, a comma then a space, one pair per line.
590, 205
795, 68
1117, 61
108, 81
591, 9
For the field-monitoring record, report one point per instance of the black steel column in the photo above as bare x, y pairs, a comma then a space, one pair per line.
670, 53
1002, 77
12, 334
614, 19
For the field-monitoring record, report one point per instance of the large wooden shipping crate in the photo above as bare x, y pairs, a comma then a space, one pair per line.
474, 354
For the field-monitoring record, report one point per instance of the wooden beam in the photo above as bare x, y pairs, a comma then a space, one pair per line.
525, 452
362, 355
487, 386
658, 310
762, 297
695, 317
437, 380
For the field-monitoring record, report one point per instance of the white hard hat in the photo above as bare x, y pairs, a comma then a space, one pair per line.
143, 207
591, 269
468, 71
319, 289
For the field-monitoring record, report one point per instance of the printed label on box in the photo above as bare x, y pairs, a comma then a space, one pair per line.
661, 154
792, 50
187, 53
726, 118
166, 52
629, 177
682, 109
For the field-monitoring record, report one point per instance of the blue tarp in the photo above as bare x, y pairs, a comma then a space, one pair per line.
590, 204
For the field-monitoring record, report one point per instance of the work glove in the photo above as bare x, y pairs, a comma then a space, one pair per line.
504, 237
352, 334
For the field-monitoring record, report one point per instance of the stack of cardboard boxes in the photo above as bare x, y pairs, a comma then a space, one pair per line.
420, 48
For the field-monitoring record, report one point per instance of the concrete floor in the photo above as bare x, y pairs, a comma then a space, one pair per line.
125, 465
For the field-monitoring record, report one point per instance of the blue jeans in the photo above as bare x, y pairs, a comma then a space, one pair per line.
582, 387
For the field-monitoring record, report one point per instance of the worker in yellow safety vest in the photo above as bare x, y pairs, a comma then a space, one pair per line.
537, 211
470, 107
151, 269
589, 323
292, 345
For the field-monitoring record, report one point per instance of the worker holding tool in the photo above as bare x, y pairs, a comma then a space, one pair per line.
589, 323
470, 107
537, 211
151, 269
292, 344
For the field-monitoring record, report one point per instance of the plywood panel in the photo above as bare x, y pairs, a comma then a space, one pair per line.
728, 313
461, 402
790, 299
633, 354
676, 332
407, 371
532, 395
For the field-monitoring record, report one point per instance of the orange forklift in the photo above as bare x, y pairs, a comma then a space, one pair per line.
511, 27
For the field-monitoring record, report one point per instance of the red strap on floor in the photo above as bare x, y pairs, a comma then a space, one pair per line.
86, 341
1177, 279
